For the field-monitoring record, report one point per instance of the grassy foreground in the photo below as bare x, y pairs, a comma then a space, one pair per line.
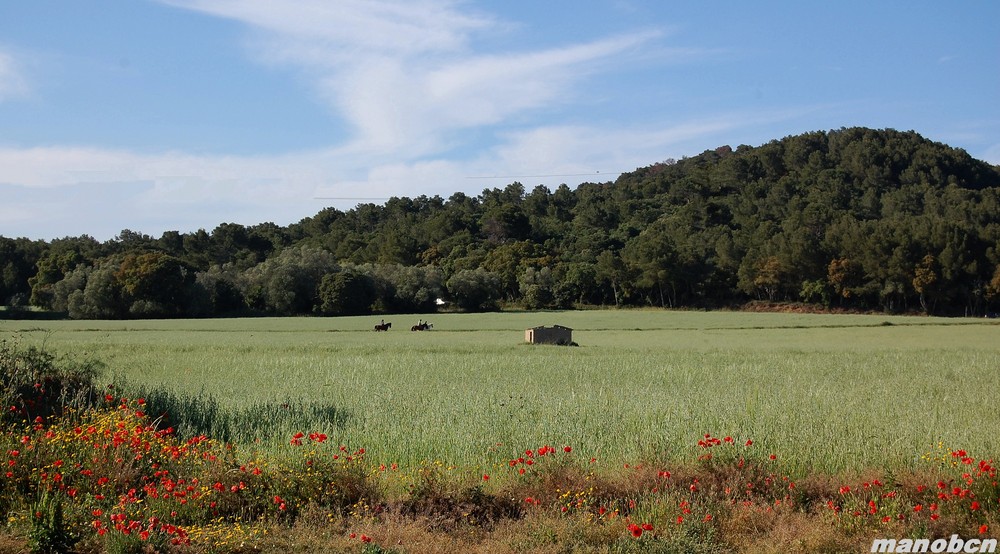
669, 432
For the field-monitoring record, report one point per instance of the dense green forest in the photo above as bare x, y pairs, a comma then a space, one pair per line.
853, 218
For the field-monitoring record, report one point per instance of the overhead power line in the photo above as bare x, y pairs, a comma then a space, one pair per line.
358, 198
541, 175
382, 198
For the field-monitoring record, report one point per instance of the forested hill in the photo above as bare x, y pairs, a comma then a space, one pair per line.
853, 218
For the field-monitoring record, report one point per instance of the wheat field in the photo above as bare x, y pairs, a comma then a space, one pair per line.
829, 393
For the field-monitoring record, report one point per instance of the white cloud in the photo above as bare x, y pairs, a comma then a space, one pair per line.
44, 167
411, 110
103, 191
13, 84
553, 155
325, 32
56, 191
486, 89
405, 74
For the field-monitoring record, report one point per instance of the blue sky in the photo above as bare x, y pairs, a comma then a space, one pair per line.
156, 115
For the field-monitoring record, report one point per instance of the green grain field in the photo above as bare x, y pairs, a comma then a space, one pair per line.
830, 393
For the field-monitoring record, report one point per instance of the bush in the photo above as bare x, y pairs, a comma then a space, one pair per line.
346, 292
475, 290
36, 384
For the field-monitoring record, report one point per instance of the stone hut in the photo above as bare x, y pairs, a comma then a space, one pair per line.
557, 334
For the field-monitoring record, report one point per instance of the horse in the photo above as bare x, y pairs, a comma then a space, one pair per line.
383, 326
422, 326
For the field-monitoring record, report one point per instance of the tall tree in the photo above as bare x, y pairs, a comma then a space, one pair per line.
654, 260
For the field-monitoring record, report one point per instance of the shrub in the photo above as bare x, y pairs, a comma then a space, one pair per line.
36, 384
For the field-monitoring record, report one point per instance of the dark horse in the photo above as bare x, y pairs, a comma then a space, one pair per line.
422, 326
383, 326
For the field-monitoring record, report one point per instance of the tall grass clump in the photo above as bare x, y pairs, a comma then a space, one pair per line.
255, 422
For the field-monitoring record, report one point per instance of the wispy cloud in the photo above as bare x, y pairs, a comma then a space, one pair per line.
100, 191
553, 155
406, 75
13, 83
412, 80
54, 191
46, 167
320, 32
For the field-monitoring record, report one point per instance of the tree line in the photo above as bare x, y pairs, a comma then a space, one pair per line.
853, 218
